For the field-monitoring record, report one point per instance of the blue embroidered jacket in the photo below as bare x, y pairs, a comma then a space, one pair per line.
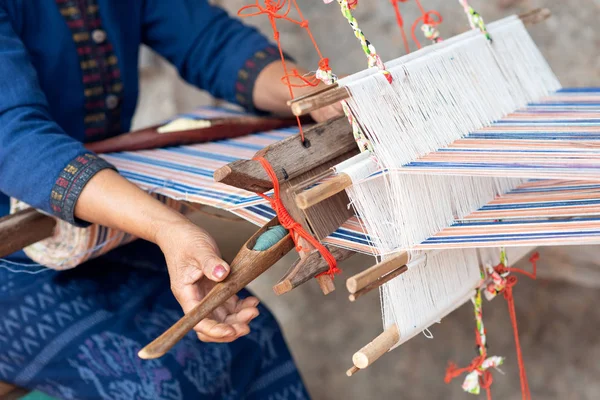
69, 74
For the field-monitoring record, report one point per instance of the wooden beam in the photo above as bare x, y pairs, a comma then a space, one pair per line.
22, 229
291, 158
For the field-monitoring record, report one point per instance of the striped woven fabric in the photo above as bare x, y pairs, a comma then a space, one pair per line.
557, 140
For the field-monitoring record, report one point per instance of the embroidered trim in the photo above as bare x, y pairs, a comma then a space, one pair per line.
249, 73
103, 88
70, 183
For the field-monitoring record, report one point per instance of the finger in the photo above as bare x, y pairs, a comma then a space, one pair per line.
248, 302
215, 329
213, 267
243, 317
241, 330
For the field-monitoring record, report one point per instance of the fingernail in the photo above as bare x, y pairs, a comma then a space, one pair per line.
219, 271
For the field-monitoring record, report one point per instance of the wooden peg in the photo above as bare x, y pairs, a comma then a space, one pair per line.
376, 272
304, 269
325, 190
352, 370
378, 347
247, 265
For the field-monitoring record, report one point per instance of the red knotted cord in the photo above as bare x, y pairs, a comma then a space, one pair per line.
432, 18
286, 220
485, 378
400, 22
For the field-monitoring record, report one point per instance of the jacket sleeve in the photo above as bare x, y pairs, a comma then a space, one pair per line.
39, 163
210, 49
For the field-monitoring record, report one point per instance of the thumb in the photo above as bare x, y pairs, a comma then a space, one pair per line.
214, 268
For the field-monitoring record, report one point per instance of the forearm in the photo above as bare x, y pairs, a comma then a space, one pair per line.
109, 199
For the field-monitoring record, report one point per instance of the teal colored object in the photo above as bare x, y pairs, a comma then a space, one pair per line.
35, 395
270, 238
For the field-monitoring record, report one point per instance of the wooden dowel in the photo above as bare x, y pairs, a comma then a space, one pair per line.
353, 297
352, 370
319, 100
22, 229
370, 275
314, 93
322, 98
378, 347
317, 194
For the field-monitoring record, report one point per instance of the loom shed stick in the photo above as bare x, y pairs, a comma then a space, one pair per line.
290, 157
22, 229
334, 94
247, 265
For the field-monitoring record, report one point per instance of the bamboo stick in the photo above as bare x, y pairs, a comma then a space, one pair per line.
376, 272
323, 97
378, 347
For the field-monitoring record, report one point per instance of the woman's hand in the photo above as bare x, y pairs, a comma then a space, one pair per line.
271, 94
195, 265
193, 259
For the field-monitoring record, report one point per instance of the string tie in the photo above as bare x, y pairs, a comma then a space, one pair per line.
478, 371
285, 219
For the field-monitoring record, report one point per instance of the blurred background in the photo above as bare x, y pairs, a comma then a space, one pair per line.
558, 314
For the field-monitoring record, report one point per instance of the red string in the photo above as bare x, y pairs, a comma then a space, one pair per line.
273, 10
286, 220
511, 281
432, 18
486, 378
400, 22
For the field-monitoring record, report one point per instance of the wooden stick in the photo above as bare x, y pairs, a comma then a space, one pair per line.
247, 265
319, 99
352, 370
306, 268
353, 297
325, 281
378, 347
372, 274
22, 229
314, 93
325, 190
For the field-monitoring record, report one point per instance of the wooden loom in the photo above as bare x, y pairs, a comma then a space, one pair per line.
320, 210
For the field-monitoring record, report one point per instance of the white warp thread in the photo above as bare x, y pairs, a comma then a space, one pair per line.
438, 95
